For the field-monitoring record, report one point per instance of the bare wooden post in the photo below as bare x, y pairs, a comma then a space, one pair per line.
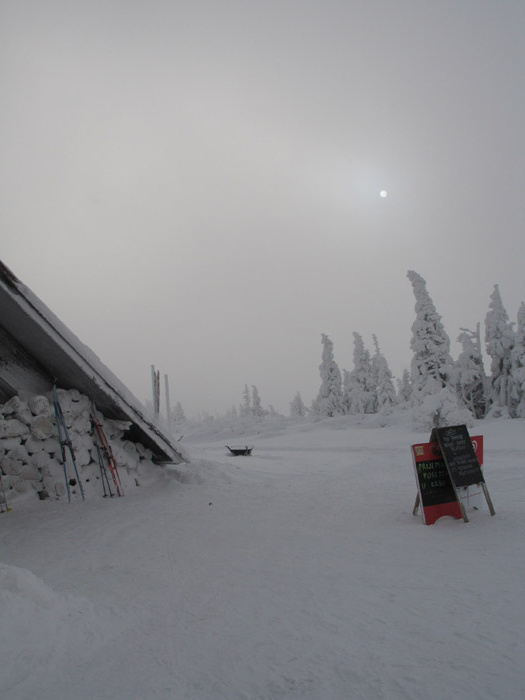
488, 499
155, 384
460, 503
168, 408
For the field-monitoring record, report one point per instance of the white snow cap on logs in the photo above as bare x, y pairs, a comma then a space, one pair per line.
13, 405
42, 427
39, 405
13, 428
19, 453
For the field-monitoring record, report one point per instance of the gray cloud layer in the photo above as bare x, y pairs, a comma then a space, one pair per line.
196, 185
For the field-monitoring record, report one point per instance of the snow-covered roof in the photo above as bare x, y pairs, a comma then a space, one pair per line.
62, 358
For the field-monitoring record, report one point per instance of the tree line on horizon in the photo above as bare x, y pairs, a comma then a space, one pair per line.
442, 391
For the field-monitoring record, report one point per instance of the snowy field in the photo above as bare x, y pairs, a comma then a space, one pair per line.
298, 572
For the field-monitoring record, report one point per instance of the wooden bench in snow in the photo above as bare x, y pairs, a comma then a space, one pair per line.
240, 451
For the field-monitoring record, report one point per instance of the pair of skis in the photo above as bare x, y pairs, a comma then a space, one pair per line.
65, 442
106, 459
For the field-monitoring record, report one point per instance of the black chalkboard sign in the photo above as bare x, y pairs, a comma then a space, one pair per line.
435, 486
458, 454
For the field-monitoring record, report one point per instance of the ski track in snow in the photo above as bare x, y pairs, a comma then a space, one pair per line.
298, 572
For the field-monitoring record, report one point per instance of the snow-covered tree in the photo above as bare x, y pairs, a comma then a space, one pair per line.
432, 367
517, 399
257, 409
471, 380
499, 339
359, 387
297, 407
245, 409
386, 396
404, 388
439, 410
347, 388
177, 414
329, 399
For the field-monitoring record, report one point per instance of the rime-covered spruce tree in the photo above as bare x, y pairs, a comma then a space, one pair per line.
329, 399
245, 408
471, 380
177, 414
499, 339
347, 389
386, 396
404, 388
257, 409
297, 407
518, 367
359, 388
432, 369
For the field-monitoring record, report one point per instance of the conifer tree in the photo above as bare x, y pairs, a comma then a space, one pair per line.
257, 409
329, 399
432, 367
404, 388
245, 408
500, 340
347, 390
517, 403
385, 392
297, 407
439, 410
178, 415
470, 373
359, 387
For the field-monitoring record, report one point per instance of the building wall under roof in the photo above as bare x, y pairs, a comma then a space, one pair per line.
36, 350
20, 373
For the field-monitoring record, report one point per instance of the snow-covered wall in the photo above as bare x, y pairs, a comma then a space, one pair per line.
30, 452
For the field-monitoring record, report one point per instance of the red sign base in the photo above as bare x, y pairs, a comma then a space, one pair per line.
432, 513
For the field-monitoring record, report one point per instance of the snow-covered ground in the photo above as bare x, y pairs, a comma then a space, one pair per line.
298, 572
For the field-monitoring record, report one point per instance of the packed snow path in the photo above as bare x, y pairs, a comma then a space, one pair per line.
298, 572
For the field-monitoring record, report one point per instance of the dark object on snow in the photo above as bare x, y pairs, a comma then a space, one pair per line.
237, 451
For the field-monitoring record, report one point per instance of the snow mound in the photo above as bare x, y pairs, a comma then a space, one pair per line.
201, 471
44, 625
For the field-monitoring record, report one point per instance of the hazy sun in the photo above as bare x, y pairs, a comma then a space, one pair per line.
383, 194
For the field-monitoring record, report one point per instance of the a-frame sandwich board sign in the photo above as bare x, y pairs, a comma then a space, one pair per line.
438, 486
429, 467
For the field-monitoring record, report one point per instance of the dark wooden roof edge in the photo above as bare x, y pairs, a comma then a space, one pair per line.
9, 277
94, 371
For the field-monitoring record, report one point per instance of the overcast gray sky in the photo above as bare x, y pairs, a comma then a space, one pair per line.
195, 185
